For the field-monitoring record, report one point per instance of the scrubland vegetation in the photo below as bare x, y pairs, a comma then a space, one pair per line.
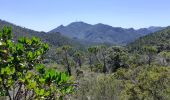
92, 73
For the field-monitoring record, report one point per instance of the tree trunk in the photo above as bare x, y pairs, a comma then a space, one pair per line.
67, 63
79, 62
90, 63
104, 66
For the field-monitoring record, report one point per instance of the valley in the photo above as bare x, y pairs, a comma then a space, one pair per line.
84, 62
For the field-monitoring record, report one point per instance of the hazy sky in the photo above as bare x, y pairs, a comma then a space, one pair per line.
44, 15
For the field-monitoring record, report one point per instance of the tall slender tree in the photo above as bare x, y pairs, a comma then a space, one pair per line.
64, 54
150, 51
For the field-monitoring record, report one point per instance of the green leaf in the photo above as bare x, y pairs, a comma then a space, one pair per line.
12, 70
2, 70
41, 92
47, 93
42, 80
40, 68
0, 79
32, 85
30, 55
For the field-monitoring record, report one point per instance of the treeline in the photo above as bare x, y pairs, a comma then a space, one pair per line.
108, 59
117, 73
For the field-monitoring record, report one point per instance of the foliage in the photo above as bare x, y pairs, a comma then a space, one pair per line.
97, 87
166, 57
139, 75
134, 83
22, 74
159, 39
64, 55
117, 57
92, 56
78, 58
150, 51
54, 39
145, 83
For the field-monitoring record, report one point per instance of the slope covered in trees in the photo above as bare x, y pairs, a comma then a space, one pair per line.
160, 40
55, 38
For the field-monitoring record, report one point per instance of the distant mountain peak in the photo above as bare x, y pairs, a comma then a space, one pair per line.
103, 33
102, 25
78, 23
61, 26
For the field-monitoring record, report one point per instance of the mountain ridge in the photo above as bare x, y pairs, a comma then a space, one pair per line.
54, 38
102, 33
94, 34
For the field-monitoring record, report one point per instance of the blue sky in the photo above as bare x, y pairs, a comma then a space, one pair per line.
44, 15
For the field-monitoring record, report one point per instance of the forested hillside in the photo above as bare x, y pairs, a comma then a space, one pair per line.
55, 38
160, 40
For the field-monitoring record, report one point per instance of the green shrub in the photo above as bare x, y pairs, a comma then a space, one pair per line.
22, 74
97, 87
